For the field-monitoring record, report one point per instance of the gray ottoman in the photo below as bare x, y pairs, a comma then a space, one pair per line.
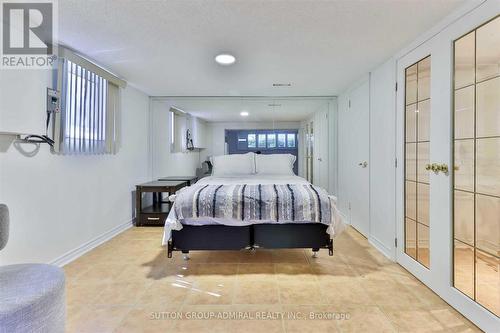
32, 298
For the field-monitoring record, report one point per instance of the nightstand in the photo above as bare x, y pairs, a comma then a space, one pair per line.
155, 213
189, 179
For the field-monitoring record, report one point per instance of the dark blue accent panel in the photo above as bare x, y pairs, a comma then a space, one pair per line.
241, 147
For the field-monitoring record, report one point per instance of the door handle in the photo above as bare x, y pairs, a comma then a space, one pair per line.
363, 164
443, 167
320, 159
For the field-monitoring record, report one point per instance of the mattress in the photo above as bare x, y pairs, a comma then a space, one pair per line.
331, 216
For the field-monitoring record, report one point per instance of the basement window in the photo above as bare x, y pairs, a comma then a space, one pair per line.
90, 107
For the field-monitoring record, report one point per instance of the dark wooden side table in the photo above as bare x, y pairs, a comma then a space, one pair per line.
189, 179
156, 213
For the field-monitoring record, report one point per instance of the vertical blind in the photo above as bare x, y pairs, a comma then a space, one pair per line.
88, 121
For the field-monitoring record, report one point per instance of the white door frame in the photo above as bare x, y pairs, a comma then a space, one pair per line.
439, 276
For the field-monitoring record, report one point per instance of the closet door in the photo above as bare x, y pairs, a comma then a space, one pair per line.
355, 120
476, 186
423, 150
448, 186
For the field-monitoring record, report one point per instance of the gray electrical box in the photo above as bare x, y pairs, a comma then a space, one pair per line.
53, 100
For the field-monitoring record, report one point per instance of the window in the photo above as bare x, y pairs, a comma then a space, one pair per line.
242, 141
290, 138
262, 141
281, 140
251, 141
88, 121
271, 140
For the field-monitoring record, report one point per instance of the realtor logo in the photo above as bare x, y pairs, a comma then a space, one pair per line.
27, 34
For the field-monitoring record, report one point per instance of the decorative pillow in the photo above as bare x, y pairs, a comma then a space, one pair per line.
275, 164
235, 164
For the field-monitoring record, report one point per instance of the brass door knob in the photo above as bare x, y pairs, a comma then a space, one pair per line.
443, 167
436, 167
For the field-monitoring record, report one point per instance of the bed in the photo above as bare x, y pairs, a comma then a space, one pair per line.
252, 209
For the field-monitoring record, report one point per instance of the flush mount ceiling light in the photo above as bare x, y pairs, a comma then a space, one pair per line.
244, 114
225, 59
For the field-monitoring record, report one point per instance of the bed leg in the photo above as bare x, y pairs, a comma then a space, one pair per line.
185, 255
330, 247
169, 249
315, 253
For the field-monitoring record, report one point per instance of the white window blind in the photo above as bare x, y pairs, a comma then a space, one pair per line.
90, 107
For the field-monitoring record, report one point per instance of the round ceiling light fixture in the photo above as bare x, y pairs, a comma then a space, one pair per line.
244, 114
225, 59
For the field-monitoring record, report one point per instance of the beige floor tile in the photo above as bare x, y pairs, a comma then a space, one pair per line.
365, 319
345, 292
122, 293
310, 318
331, 273
256, 292
413, 320
97, 319
218, 269
101, 273
84, 292
300, 292
218, 290
166, 292
221, 257
256, 270
289, 256
389, 293
121, 284
451, 320
258, 256
147, 320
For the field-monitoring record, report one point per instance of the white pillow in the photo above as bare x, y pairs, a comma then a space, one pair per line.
275, 164
235, 164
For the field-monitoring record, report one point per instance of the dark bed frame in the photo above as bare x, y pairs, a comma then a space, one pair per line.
268, 236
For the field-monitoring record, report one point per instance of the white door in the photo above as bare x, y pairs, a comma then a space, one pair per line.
321, 146
355, 122
448, 186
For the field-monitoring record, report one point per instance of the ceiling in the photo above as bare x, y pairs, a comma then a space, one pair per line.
167, 48
259, 109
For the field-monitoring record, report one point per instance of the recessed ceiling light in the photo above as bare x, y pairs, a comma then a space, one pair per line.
244, 114
225, 59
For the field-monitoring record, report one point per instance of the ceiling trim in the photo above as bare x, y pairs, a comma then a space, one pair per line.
326, 97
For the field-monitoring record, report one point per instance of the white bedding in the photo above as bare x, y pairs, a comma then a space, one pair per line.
172, 222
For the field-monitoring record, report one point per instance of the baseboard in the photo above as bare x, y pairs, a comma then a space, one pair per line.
389, 253
344, 217
86, 247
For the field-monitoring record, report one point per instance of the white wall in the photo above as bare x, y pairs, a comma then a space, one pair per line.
59, 203
163, 161
382, 158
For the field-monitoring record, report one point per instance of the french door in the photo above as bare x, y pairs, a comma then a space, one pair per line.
448, 186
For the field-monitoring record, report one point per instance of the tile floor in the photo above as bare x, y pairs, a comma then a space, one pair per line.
129, 285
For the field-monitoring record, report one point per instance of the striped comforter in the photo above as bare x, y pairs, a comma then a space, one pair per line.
284, 203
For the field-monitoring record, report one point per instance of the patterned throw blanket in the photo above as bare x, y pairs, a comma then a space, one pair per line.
280, 203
